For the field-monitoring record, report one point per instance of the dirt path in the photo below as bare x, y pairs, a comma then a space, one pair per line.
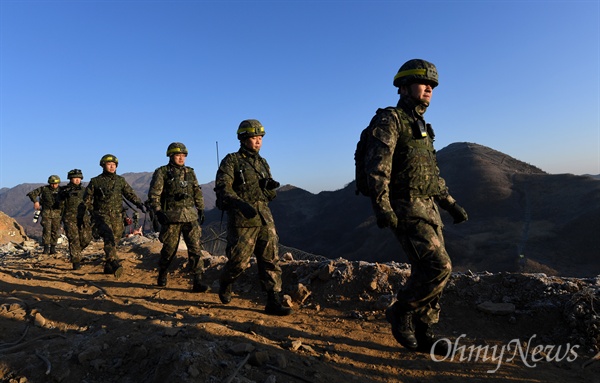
59, 325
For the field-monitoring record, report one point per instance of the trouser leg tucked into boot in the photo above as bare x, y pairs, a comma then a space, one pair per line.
274, 306
402, 327
46, 249
198, 286
52, 249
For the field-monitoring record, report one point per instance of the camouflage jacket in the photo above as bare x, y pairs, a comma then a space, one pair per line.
238, 179
48, 198
175, 190
71, 201
400, 161
104, 195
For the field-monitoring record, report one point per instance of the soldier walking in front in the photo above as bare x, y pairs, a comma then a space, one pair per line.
406, 188
176, 200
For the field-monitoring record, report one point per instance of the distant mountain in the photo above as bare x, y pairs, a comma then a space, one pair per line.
520, 217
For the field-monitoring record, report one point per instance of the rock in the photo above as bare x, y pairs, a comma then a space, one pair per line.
300, 293
296, 344
39, 320
259, 358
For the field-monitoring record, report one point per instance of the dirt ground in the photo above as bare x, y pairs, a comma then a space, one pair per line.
60, 325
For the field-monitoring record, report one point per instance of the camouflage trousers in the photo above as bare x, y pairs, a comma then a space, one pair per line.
110, 229
79, 238
170, 235
262, 242
50, 229
423, 243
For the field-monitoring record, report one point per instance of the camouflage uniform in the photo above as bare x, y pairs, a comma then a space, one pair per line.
51, 213
405, 186
75, 219
175, 191
103, 197
238, 180
404, 177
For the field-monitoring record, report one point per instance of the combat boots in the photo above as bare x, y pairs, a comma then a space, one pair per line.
113, 267
274, 306
76, 265
225, 292
427, 340
52, 249
402, 327
198, 286
162, 277
46, 249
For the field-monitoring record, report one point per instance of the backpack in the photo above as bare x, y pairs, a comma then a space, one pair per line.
362, 186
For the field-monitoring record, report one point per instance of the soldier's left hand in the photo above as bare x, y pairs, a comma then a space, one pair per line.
201, 217
458, 213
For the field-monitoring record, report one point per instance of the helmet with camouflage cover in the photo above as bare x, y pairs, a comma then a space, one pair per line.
416, 70
176, 148
250, 128
53, 179
75, 173
108, 158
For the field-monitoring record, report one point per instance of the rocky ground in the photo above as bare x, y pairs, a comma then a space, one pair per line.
60, 325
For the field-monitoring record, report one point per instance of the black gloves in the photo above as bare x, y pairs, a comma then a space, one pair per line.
246, 209
162, 217
387, 219
268, 183
458, 213
200, 217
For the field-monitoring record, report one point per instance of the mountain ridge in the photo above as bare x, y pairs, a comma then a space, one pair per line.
520, 217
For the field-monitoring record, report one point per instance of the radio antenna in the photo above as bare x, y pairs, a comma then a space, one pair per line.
217, 154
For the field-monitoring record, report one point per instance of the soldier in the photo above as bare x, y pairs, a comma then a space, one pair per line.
78, 232
103, 197
245, 187
404, 184
49, 204
176, 200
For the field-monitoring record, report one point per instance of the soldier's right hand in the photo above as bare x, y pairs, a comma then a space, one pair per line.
246, 209
387, 219
162, 217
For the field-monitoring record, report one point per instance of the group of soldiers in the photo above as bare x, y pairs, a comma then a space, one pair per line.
403, 181
243, 183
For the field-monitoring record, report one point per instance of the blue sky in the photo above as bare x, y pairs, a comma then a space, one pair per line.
80, 79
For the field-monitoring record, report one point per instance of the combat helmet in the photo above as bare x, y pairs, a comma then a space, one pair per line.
250, 128
53, 179
109, 158
75, 173
416, 70
176, 148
